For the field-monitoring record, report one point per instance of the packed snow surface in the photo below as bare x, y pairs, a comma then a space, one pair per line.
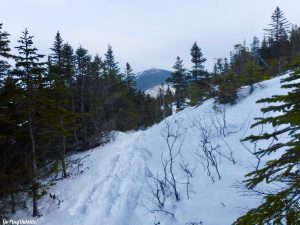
115, 183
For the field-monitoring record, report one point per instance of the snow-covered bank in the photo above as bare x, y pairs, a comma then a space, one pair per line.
117, 179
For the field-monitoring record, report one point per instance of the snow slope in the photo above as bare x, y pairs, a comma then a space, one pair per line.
155, 91
114, 187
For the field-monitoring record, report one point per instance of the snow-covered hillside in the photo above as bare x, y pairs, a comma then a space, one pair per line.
119, 181
155, 91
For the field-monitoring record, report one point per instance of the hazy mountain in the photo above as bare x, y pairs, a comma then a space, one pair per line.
151, 78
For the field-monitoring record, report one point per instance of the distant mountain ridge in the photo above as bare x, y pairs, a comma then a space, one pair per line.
150, 78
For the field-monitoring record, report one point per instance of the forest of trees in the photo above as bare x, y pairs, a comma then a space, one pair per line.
275, 54
72, 101
49, 107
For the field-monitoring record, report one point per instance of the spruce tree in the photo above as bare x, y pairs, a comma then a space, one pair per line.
10, 164
281, 204
68, 63
8, 130
94, 101
82, 67
30, 72
228, 87
295, 41
198, 60
255, 47
226, 66
279, 27
129, 76
252, 75
57, 50
59, 115
4, 54
218, 67
111, 69
278, 33
179, 81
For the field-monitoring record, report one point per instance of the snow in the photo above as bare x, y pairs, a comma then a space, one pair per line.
114, 185
149, 71
155, 91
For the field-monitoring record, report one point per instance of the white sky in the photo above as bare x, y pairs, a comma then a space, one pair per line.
145, 33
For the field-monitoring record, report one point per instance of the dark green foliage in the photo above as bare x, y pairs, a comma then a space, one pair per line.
199, 90
179, 81
278, 33
59, 114
30, 73
11, 156
57, 49
48, 109
199, 80
294, 42
228, 85
68, 64
129, 76
277, 47
220, 67
111, 69
281, 205
198, 60
277, 53
4, 53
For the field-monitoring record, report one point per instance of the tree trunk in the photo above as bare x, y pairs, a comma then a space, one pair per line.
73, 110
12, 198
82, 112
35, 210
63, 151
11, 180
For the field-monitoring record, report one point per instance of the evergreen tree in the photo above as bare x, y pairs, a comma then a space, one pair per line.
252, 75
111, 69
281, 205
30, 71
279, 27
255, 45
219, 67
4, 53
57, 49
226, 66
94, 100
129, 76
169, 99
255, 50
295, 41
198, 60
228, 87
179, 81
264, 51
82, 67
59, 116
278, 33
68, 64
239, 58
10, 164
38, 108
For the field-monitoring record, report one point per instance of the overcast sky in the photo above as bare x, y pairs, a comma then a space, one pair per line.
145, 33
